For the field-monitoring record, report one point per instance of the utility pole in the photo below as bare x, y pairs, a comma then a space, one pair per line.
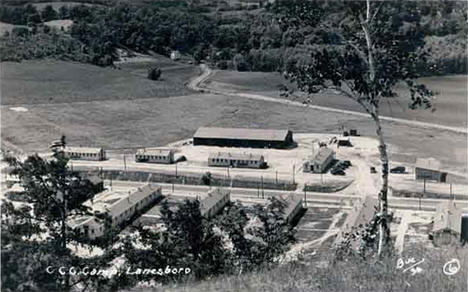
451, 194
263, 193
176, 170
228, 171
294, 173
305, 195
125, 162
276, 177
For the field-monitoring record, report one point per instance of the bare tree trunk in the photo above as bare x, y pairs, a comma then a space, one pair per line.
384, 230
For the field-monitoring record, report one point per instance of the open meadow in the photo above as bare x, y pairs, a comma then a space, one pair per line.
48, 82
120, 108
449, 105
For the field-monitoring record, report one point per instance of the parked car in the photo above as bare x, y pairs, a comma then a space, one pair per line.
338, 172
398, 169
373, 170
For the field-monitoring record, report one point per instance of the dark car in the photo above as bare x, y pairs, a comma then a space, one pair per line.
338, 172
347, 163
398, 169
372, 170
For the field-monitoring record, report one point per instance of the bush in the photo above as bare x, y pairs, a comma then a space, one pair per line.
154, 73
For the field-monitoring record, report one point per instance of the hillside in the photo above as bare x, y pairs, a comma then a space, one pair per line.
239, 35
318, 273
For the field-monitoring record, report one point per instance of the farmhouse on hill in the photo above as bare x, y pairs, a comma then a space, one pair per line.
240, 137
429, 169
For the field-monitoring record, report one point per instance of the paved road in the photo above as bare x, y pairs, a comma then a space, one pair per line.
197, 84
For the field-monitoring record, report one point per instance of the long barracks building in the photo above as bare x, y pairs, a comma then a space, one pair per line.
239, 137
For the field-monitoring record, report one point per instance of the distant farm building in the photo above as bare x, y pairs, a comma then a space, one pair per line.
429, 169
214, 202
175, 55
165, 156
224, 159
293, 207
447, 224
119, 206
320, 162
238, 137
84, 153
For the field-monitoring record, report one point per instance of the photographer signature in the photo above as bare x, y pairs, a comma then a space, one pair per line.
450, 268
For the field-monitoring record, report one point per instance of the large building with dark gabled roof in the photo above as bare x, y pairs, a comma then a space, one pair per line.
240, 137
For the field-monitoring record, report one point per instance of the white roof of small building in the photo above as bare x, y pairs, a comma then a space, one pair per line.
82, 149
428, 163
241, 134
238, 156
447, 217
322, 154
154, 151
79, 220
116, 203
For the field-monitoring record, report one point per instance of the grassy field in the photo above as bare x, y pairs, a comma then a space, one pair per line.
321, 274
121, 108
47, 82
158, 121
450, 103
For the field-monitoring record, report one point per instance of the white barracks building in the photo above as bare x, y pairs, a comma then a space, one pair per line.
120, 206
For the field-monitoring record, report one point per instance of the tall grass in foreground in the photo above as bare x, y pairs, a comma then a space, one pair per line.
352, 274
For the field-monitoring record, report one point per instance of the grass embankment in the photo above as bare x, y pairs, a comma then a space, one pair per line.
351, 275
193, 179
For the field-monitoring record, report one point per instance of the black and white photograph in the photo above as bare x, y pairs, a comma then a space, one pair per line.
234, 145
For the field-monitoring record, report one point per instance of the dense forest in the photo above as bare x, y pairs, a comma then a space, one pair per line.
251, 39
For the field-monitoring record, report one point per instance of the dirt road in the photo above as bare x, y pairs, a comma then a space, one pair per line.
198, 84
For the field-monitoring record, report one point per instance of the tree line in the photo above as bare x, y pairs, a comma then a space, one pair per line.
247, 42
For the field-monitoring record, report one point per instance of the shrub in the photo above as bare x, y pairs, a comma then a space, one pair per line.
154, 73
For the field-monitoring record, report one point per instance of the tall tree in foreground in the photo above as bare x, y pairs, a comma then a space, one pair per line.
35, 234
365, 51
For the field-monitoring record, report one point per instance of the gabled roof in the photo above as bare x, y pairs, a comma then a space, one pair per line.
238, 156
241, 134
82, 149
213, 197
291, 202
322, 154
116, 203
428, 163
154, 151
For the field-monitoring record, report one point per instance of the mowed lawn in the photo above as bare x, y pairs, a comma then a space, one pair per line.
117, 124
47, 82
449, 105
